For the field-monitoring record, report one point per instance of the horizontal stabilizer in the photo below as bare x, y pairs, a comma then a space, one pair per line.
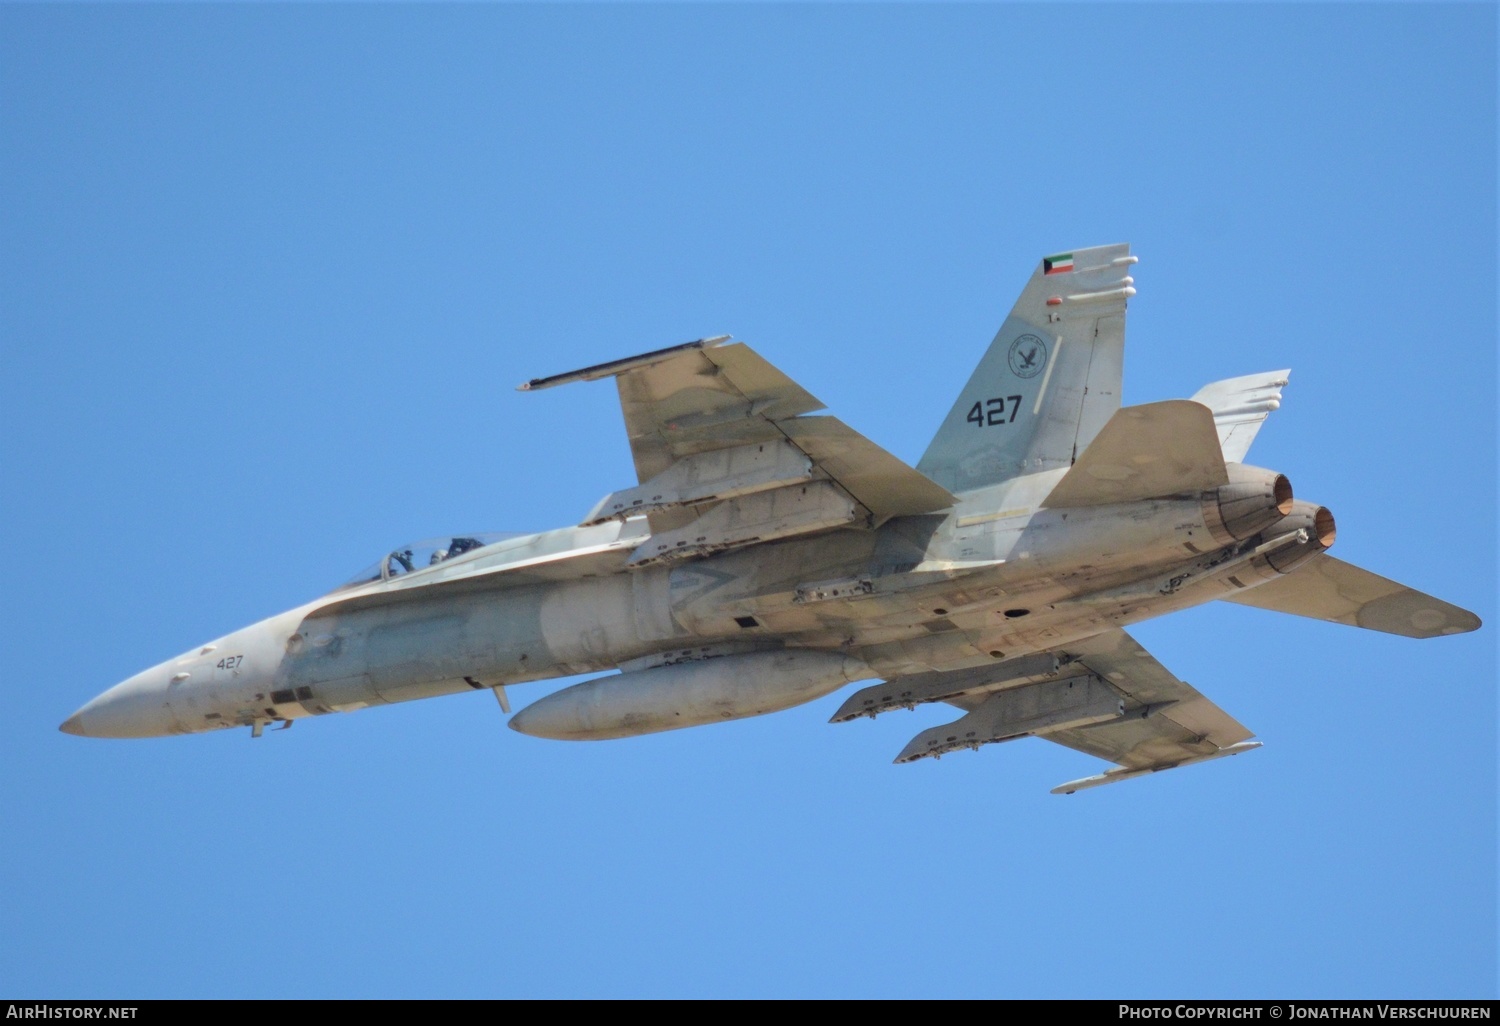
1240, 406
1145, 452
1329, 589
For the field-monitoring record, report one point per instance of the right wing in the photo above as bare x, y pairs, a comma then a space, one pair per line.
1167, 722
1104, 695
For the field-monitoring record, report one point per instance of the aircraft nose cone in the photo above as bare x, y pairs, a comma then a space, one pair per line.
134, 708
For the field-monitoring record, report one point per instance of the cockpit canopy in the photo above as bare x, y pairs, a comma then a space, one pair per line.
407, 559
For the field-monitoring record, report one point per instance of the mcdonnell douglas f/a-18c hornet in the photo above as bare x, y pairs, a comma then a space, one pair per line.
769, 557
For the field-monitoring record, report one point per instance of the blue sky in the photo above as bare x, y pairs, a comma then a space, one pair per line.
271, 274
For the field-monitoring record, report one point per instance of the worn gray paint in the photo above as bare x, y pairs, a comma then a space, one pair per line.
782, 555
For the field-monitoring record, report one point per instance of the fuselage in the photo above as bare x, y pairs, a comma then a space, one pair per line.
995, 578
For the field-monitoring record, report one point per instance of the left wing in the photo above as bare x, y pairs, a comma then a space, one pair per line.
711, 423
694, 398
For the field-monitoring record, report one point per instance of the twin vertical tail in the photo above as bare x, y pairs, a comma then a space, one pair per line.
1050, 379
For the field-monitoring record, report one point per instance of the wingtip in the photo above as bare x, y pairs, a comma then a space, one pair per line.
1466, 624
1119, 773
612, 368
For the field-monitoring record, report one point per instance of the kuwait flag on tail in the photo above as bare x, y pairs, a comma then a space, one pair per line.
1058, 264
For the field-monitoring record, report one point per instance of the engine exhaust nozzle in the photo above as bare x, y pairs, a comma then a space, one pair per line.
1309, 530
1253, 500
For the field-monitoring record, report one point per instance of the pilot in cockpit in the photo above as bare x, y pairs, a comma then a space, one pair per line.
457, 547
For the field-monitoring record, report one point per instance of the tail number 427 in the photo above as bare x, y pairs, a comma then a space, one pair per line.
992, 411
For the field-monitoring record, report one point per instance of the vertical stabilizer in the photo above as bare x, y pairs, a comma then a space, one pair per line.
1240, 406
1050, 379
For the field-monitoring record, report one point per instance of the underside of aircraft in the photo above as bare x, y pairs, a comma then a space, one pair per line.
769, 555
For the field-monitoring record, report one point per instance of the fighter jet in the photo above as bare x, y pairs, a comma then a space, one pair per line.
770, 555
